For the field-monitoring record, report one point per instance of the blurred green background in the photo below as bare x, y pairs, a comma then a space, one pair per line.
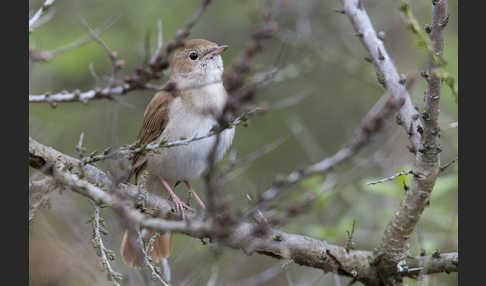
323, 59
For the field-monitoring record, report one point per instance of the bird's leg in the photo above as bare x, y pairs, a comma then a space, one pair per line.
180, 205
195, 195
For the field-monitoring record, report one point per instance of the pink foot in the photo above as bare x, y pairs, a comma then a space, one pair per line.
200, 202
180, 205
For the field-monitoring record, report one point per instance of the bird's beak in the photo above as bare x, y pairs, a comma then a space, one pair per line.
216, 51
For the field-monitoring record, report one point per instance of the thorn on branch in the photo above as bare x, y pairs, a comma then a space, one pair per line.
403, 79
349, 242
79, 148
405, 187
443, 168
420, 130
410, 130
381, 35
381, 57
444, 22
425, 75
398, 119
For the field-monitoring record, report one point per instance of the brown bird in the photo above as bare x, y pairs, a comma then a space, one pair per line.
191, 110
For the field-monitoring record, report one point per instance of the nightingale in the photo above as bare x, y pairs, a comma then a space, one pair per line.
190, 110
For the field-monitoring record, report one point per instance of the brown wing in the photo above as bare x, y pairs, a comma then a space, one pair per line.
155, 119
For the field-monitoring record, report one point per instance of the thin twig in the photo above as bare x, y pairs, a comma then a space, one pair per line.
45, 56
160, 40
135, 148
155, 273
116, 65
105, 254
231, 171
44, 8
391, 178
137, 80
301, 249
443, 168
394, 245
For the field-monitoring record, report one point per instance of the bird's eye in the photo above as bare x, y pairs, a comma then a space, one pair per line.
193, 56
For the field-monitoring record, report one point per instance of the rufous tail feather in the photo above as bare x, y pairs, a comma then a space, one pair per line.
132, 254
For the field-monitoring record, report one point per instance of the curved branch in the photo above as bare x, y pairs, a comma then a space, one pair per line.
385, 68
252, 238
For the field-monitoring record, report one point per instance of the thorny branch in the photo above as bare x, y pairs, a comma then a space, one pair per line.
391, 259
155, 273
105, 254
154, 147
387, 73
390, 178
409, 172
137, 80
422, 133
394, 245
301, 249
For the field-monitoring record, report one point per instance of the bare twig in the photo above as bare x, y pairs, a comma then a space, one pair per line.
154, 271
385, 67
301, 249
138, 80
135, 148
160, 40
44, 8
391, 178
443, 168
116, 64
45, 56
105, 254
231, 171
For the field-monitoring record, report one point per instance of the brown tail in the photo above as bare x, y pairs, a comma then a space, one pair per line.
132, 254
162, 247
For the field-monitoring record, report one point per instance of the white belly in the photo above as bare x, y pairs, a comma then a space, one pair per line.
188, 162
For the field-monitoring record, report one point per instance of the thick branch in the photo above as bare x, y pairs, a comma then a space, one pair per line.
384, 66
249, 237
394, 245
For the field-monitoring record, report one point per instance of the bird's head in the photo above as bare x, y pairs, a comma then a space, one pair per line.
197, 62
